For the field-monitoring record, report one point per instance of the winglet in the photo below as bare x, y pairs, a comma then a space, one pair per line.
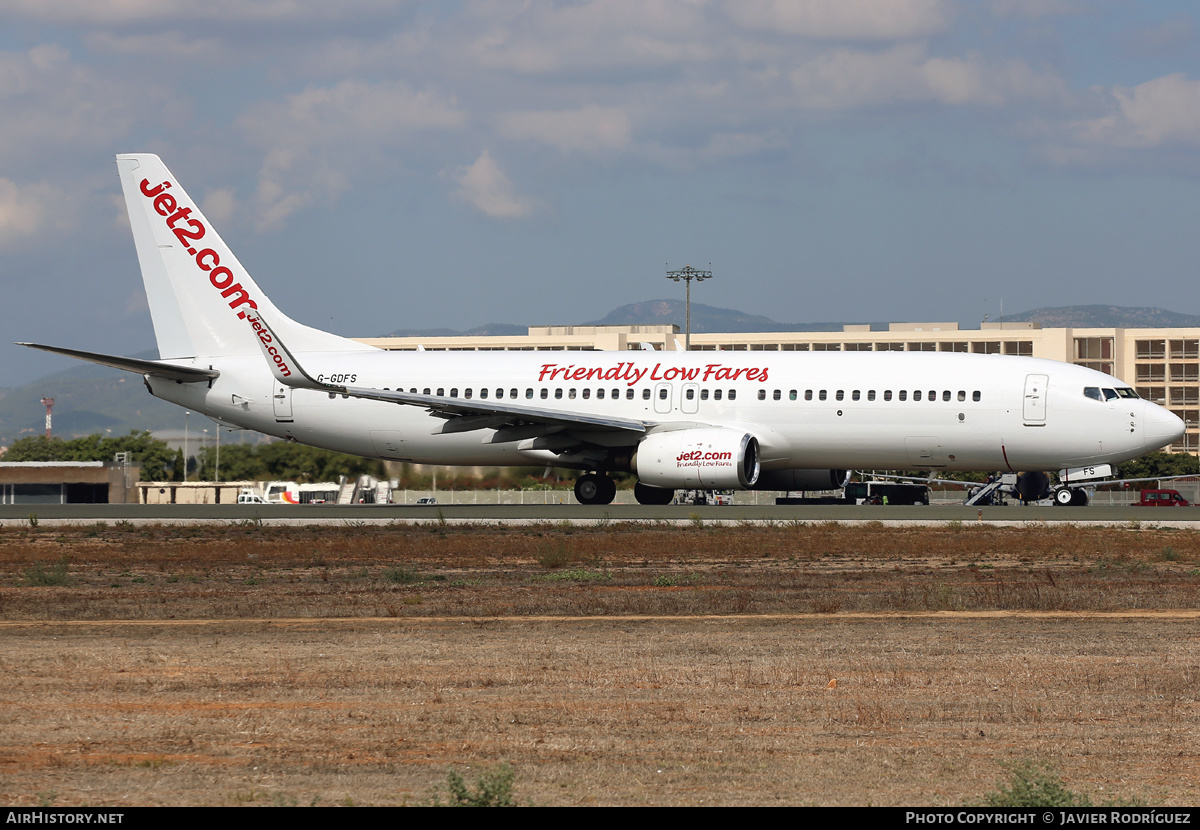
283, 364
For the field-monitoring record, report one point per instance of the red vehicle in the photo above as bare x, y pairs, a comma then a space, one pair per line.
1161, 498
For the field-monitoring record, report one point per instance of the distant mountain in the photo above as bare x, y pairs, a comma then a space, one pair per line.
1105, 316
705, 318
87, 399
488, 330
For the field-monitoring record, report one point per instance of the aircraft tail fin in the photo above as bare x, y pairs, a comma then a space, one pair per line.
198, 291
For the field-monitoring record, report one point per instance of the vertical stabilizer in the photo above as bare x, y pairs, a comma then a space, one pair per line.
198, 291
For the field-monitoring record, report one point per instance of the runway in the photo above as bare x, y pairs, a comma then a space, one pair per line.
286, 514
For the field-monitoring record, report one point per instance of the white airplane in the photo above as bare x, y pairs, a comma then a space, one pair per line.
677, 420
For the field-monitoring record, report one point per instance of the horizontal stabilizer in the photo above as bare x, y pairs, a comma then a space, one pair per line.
154, 368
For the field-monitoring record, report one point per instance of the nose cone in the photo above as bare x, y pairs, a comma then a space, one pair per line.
1160, 427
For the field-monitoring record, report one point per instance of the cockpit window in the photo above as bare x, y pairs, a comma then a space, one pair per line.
1126, 392
1093, 392
1110, 394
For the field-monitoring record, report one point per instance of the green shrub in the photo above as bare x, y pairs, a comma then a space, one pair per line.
41, 573
493, 788
1032, 784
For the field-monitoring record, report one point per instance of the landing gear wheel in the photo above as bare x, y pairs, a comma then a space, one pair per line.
1079, 498
1064, 497
646, 494
591, 488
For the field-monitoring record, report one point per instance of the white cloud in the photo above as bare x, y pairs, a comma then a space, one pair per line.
141, 12
590, 129
844, 19
219, 206
903, 74
1038, 8
51, 105
541, 37
27, 210
1164, 111
484, 186
309, 136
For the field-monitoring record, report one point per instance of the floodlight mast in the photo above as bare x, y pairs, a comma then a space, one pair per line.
687, 274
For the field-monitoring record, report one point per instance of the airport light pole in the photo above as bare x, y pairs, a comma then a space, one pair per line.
687, 274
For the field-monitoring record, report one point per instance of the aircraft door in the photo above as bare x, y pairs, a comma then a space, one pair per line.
662, 398
283, 402
1035, 399
690, 402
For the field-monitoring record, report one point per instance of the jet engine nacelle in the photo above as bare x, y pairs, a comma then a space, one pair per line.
1033, 485
802, 480
712, 459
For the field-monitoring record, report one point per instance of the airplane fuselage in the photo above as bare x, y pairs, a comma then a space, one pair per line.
807, 410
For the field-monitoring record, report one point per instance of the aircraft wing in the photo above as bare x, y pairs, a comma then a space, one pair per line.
462, 415
154, 368
478, 414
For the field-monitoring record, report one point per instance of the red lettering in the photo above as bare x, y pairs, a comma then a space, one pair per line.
225, 281
152, 193
164, 204
216, 260
654, 372
578, 374
546, 367
182, 213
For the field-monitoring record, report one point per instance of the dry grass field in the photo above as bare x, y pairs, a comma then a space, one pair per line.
616, 664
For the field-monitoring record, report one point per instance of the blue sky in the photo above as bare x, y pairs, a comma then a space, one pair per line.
385, 165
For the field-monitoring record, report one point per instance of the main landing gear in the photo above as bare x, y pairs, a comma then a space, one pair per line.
593, 488
645, 494
1070, 497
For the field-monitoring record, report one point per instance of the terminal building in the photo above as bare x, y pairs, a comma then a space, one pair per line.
1163, 365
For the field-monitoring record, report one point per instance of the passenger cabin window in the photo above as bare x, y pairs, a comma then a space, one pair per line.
467, 393
762, 394
528, 393
808, 394
662, 394
482, 393
716, 394
840, 395
975, 396
916, 395
587, 393
870, 394
822, 394
962, 396
777, 394
545, 394
703, 394
426, 391
645, 394
946, 395
903, 394
887, 394
557, 394
792, 395
599, 394
690, 394
629, 394
454, 392
732, 394
441, 392
855, 395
